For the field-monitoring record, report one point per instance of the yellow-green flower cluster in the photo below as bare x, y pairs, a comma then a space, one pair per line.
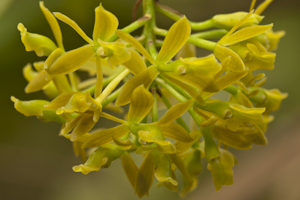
166, 72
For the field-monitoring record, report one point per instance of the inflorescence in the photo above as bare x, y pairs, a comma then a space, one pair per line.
146, 72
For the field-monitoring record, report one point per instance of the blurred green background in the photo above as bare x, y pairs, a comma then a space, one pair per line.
35, 163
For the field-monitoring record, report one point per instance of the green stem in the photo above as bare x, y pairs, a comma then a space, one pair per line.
170, 89
148, 6
154, 107
174, 15
113, 96
132, 27
112, 85
73, 81
231, 89
180, 98
205, 44
210, 34
178, 120
176, 87
106, 81
160, 31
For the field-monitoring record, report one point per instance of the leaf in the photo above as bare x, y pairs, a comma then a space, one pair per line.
105, 136
141, 104
105, 24
175, 39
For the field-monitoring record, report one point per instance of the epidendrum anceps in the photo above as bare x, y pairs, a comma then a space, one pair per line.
162, 72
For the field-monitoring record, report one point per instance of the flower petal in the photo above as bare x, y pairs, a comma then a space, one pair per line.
238, 24
42, 45
60, 101
105, 136
230, 138
37, 83
74, 25
84, 125
130, 168
175, 39
196, 95
175, 112
131, 40
116, 53
53, 24
136, 64
175, 131
145, 176
211, 150
205, 84
222, 171
180, 165
29, 108
262, 7
72, 60
164, 171
230, 78
105, 24
78, 151
144, 78
141, 104
102, 157
248, 115
235, 64
245, 34
188, 50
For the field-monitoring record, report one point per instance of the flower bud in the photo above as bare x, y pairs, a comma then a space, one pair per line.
227, 21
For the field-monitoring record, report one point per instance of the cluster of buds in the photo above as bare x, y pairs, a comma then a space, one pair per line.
145, 73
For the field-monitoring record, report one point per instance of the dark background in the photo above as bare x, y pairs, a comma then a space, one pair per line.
35, 163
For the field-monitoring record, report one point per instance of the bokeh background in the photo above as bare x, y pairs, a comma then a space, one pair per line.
35, 163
